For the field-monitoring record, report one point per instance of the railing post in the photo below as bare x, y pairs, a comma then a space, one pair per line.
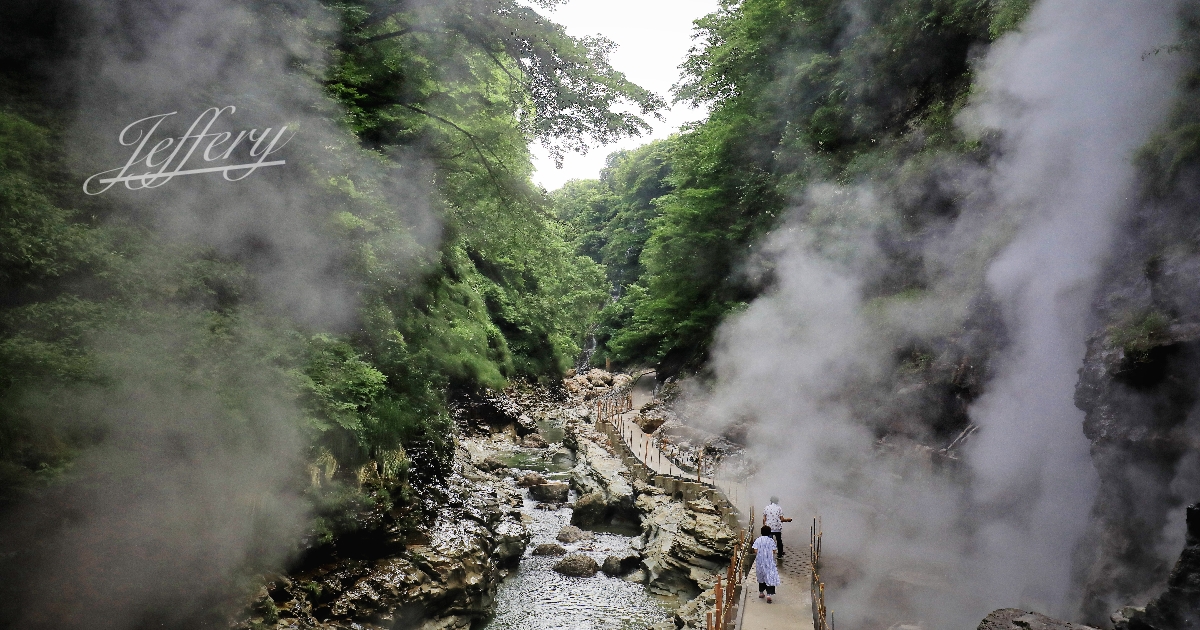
720, 602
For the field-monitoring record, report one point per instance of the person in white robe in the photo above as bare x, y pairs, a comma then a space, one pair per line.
764, 564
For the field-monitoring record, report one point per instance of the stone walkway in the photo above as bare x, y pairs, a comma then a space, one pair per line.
792, 605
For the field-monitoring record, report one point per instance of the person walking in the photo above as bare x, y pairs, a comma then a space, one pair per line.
773, 518
764, 564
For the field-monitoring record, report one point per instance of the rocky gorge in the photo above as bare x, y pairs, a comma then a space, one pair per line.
539, 505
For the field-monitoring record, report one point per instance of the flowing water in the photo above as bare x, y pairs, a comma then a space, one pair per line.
535, 597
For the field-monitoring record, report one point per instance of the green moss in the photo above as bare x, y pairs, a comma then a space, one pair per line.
1137, 333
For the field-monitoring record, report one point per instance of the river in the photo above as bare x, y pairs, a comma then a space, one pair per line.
535, 597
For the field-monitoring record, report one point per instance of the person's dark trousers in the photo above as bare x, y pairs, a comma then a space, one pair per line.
766, 587
778, 541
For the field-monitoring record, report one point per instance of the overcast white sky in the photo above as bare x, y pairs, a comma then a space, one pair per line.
653, 37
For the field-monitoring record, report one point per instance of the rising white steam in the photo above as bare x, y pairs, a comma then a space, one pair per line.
1072, 96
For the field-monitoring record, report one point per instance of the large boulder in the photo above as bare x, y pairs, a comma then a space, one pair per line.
682, 549
621, 564
571, 534
599, 378
590, 509
549, 549
598, 472
533, 440
1017, 619
577, 565
551, 491
530, 479
649, 420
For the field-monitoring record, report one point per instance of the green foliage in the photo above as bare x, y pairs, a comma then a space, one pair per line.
800, 91
1176, 147
452, 92
611, 220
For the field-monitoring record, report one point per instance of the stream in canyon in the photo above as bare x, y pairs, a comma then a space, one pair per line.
535, 597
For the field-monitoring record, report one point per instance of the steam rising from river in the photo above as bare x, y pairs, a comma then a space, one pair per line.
200, 448
1072, 96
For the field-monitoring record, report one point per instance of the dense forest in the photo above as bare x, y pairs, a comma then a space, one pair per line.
436, 269
800, 92
303, 340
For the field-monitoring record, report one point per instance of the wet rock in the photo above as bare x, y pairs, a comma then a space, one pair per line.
548, 506
638, 576
1138, 397
551, 491
598, 471
549, 549
489, 412
1179, 605
527, 426
703, 506
530, 479
447, 581
577, 565
621, 564
1017, 619
693, 614
492, 463
571, 534
533, 440
591, 509
1121, 617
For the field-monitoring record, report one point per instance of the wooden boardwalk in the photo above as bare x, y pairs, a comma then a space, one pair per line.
792, 607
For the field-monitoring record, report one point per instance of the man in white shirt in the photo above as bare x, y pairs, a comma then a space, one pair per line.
773, 518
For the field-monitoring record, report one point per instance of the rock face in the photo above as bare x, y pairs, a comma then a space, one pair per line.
490, 412
1179, 605
549, 549
1138, 397
601, 480
1137, 387
449, 581
622, 564
591, 509
683, 549
1017, 619
551, 491
577, 565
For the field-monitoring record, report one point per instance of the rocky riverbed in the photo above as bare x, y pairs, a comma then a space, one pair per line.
541, 526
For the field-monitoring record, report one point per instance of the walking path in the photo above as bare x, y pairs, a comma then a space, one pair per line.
792, 607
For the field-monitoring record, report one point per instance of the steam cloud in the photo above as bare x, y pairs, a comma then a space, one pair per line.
188, 486
1071, 97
